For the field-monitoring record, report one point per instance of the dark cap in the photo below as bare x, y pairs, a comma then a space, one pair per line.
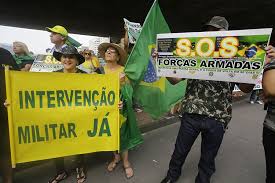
219, 22
69, 50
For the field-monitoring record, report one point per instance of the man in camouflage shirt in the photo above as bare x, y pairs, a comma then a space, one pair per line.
269, 122
209, 98
207, 109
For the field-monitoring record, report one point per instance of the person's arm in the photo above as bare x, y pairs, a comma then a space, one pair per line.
171, 80
126, 39
246, 88
174, 81
269, 80
269, 74
269, 83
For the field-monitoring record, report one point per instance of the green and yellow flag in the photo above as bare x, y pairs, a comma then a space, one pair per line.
156, 95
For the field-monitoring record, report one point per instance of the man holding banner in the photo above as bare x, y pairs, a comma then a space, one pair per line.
207, 109
269, 122
5, 159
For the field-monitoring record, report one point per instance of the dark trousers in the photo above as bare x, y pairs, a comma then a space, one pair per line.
60, 164
212, 132
269, 148
255, 95
5, 158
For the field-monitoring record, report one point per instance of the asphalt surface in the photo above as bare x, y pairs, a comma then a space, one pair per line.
240, 159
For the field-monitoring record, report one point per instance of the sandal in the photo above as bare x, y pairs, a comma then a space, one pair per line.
59, 177
113, 165
129, 171
80, 175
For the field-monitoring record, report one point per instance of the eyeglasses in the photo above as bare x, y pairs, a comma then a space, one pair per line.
111, 51
87, 54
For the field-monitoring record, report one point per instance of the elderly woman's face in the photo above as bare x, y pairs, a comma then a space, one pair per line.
18, 49
111, 55
69, 61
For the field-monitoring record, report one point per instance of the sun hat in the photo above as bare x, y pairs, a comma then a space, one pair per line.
68, 50
122, 53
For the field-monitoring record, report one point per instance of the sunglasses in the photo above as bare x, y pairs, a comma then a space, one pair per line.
87, 54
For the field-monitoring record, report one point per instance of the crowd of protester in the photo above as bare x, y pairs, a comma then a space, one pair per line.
206, 107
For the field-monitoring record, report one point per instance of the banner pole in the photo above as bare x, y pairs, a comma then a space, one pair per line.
10, 122
118, 126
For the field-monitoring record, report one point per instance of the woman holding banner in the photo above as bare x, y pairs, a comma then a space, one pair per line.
70, 58
130, 135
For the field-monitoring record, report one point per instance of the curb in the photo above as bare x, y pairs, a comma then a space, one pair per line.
162, 122
159, 123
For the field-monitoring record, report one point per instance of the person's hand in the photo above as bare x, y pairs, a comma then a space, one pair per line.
120, 105
125, 27
122, 77
154, 54
6, 104
27, 67
270, 53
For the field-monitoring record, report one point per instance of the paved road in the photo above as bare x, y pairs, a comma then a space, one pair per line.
240, 159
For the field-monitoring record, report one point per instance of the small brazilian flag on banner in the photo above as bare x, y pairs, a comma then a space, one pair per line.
156, 95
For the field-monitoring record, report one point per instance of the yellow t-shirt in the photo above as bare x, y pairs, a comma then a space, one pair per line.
95, 62
109, 71
91, 64
118, 70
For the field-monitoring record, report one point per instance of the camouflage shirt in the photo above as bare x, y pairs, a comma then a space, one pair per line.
210, 98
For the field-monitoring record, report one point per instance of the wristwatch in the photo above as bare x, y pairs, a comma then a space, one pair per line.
270, 65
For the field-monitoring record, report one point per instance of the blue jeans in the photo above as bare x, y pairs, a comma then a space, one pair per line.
212, 132
255, 95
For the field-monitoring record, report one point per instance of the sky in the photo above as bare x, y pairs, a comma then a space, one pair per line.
36, 40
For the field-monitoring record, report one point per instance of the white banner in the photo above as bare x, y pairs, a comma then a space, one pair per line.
45, 63
232, 56
134, 30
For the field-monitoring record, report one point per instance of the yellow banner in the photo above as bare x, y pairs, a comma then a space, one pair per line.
56, 114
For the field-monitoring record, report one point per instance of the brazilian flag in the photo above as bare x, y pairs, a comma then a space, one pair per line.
156, 95
130, 135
